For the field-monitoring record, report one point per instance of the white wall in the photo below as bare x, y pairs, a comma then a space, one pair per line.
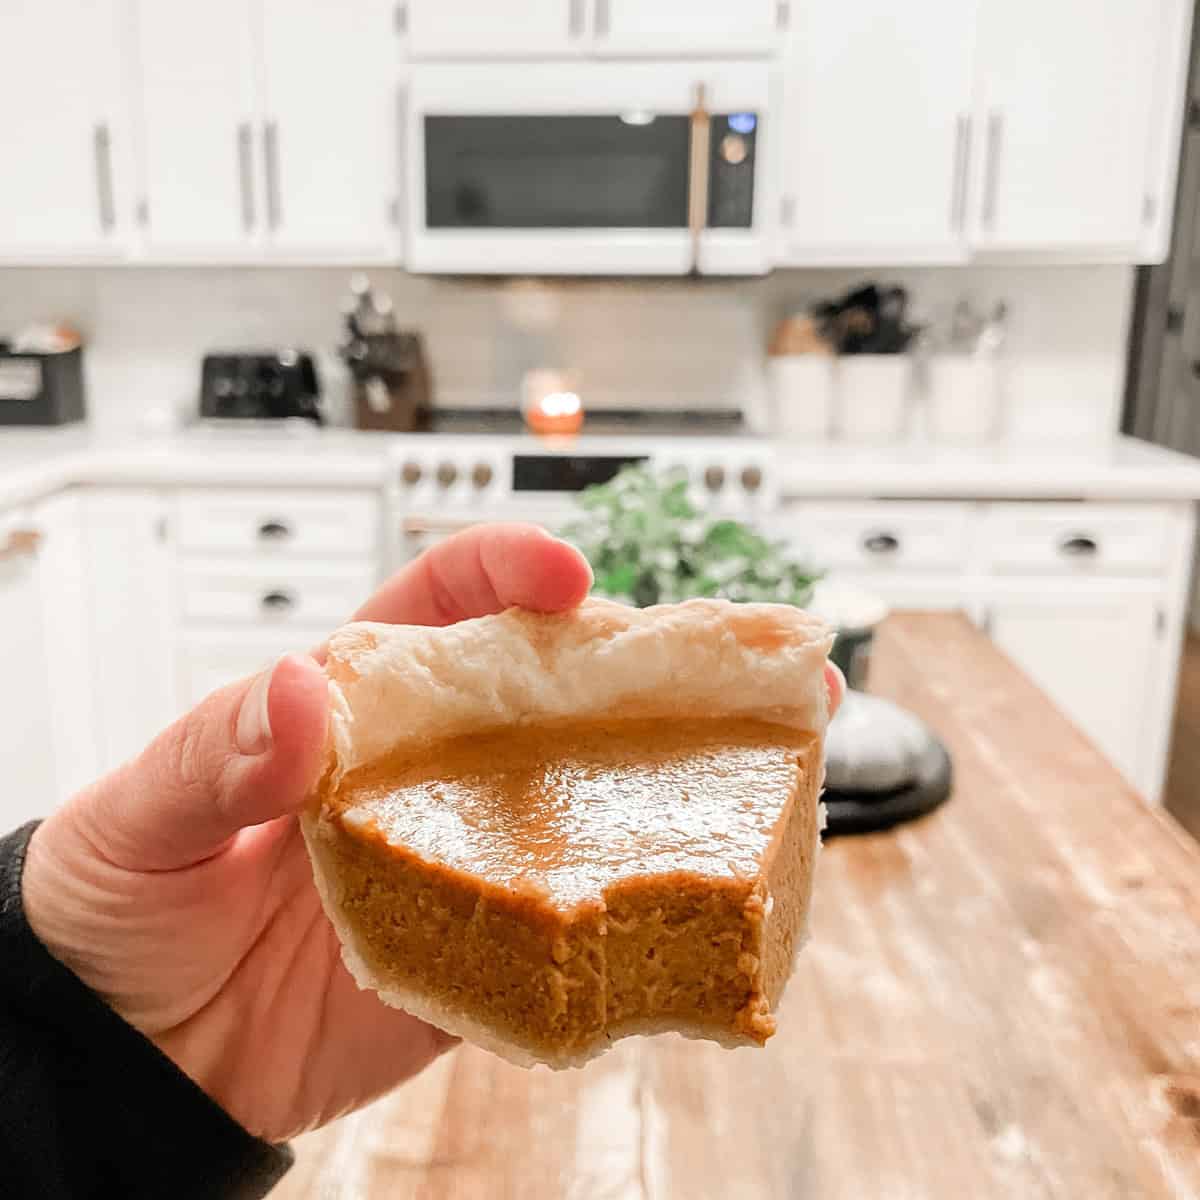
637, 342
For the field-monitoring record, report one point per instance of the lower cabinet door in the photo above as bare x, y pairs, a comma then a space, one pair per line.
209, 660
1093, 651
26, 730
128, 572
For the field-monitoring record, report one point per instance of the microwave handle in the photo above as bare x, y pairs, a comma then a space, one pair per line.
698, 168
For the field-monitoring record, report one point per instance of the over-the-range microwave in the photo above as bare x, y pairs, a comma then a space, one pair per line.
588, 168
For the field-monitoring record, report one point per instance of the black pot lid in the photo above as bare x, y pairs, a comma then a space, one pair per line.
861, 812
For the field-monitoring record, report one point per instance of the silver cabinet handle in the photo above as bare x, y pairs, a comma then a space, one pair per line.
20, 543
575, 19
271, 162
277, 602
698, 167
102, 152
603, 18
962, 158
245, 151
991, 168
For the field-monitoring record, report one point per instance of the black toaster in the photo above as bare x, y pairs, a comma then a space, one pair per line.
260, 385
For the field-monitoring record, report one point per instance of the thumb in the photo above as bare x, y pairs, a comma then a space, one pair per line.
248, 753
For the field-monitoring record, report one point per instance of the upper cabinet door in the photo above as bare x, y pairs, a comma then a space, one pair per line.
64, 136
203, 190
495, 28
1064, 122
876, 137
329, 146
667, 28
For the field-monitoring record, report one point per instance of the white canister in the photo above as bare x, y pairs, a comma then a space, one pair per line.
872, 396
963, 398
802, 395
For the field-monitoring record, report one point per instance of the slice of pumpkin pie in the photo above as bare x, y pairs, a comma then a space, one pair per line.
543, 833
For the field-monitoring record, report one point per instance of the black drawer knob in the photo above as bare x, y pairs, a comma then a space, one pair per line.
1078, 545
278, 602
881, 543
274, 531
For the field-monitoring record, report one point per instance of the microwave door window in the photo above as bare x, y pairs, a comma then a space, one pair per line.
539, 172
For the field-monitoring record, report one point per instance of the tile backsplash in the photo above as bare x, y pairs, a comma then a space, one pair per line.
636, 342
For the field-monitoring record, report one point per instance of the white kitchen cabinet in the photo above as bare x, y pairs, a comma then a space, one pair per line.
1093, 649
494, 28
26, 730
125, 534
207, 661
202, 194
270, 130
65, 133
65, 600
670, 28
330, 131
1064, 119
875, 131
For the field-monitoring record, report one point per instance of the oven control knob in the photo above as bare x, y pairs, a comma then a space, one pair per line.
411, 472
714, 478
481, 476
752, 478
447, 473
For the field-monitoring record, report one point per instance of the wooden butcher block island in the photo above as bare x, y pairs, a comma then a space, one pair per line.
1001, 1000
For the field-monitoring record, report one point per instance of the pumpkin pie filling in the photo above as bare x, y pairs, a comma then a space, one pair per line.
567, 882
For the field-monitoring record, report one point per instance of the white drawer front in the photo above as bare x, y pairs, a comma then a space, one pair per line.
206, 662
278, 523
1077, 538
272, 596
878, 537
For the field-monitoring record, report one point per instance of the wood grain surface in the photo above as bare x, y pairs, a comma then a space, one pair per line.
1000, 1000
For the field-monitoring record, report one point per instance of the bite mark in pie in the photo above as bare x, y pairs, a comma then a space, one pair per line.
546, 832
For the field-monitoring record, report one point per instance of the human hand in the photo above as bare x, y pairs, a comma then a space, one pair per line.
178, 887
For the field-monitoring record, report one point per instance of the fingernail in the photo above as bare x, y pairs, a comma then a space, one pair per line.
253, 730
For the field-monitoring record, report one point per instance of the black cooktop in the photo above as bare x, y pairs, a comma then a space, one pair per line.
607, 423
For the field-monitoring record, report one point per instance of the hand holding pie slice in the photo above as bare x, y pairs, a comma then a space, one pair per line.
545, 832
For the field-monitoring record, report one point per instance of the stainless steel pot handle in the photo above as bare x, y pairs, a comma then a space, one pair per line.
700, 134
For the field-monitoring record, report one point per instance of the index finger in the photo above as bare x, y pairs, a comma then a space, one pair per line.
481, 570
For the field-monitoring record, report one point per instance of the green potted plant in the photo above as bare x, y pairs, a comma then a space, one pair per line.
648, 544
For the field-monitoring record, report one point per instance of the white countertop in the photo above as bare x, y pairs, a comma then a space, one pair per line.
1120, 469
36, 462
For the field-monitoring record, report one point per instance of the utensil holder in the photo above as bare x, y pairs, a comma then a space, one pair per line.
802, 393
873, 392
963, 399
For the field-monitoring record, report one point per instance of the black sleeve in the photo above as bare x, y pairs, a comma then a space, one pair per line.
88, 1106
